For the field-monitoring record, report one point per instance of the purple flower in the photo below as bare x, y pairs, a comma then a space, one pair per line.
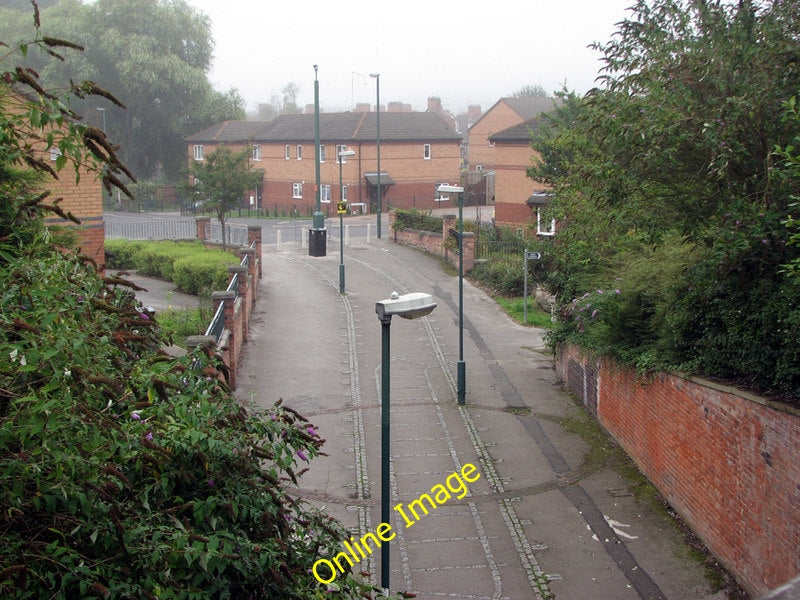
144, 316
617, 291
136, 416
594, 313
599, 291
210, 483
311, 431
149, 436
302, 456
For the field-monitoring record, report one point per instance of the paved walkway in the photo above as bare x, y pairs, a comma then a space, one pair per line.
543, 520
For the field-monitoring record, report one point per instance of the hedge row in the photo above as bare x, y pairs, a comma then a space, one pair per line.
194, 268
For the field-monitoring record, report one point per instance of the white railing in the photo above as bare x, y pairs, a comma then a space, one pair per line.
156, 229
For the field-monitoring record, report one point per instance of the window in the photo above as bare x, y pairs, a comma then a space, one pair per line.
299, 152
544, 226
286, 151
55, 153
198, 151
426, 151
297, 190
324, 193
322, 153
339, 149
256, 152
344, 193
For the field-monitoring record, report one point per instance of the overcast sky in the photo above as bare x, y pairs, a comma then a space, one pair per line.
463, 52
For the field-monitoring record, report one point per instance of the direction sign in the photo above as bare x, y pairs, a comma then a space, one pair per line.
529, 255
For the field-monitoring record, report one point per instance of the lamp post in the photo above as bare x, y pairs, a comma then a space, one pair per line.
408, 306
317, 238
377, 77
462, 367
341, 210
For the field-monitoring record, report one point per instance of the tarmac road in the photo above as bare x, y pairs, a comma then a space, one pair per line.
542, 520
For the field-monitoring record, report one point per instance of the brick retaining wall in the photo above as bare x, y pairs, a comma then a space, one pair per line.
727, 461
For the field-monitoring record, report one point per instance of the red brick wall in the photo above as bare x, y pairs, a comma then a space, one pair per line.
727, 461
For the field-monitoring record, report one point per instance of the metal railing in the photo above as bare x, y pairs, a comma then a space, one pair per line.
156, 229
217, 325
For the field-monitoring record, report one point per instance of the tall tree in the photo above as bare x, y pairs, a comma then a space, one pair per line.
221, 180
668, 181
155, 56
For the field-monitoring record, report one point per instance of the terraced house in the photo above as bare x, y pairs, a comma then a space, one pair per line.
418, 152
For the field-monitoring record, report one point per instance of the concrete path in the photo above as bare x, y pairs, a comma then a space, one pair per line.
543, 520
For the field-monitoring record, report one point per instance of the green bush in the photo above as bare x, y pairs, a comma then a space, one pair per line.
125, 473
416, 219
193, 267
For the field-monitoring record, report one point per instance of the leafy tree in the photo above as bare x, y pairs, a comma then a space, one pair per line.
672, 159
535, 90
154, 55
221, 180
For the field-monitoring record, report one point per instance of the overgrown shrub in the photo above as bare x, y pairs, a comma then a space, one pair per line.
125, 473
417, 219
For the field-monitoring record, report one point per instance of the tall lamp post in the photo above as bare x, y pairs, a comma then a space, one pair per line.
317, 239
408, 306
462, 367
377, 77
341, 209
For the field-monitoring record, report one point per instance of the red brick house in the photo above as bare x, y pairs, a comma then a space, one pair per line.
519, 200
419, 151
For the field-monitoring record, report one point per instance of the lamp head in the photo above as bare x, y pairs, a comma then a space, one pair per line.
449, 189
408, 306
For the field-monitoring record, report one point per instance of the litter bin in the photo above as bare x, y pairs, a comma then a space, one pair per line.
317, 242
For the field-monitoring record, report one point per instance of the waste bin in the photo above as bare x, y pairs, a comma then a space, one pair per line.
317, 242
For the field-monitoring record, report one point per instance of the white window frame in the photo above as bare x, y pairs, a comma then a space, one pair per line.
322, 153
299, 152
325, 193
199, 152
256, 152
344, 193
287, 151
297, 190
339, 149
55, 152
539, 229
426, 151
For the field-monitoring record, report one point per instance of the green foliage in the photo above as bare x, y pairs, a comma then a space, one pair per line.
515, 308
194, 268
178, 324
667, 179
416, 219
154, 56
129, 474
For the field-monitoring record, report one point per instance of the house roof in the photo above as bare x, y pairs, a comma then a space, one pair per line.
518, 133
334, 127
525, 108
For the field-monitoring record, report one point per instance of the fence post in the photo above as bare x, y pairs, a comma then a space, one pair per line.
202, 224
241, 291
252, 267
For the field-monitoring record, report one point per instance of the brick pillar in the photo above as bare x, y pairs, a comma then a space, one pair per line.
201, 223
254, 235
448, 222
252, 265
468, 248
392, 219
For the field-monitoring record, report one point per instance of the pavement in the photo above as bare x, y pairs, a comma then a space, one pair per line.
543, 514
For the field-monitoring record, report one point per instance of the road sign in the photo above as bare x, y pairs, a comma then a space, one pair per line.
341, 207
532, 255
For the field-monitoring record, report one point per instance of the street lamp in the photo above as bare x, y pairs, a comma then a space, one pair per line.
377, 77
317, 238
341, 210
408, 306
462, 367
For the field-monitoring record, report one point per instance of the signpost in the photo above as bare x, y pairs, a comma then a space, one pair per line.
529, 255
